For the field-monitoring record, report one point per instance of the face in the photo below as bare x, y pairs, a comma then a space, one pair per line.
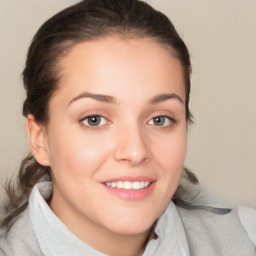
116, 137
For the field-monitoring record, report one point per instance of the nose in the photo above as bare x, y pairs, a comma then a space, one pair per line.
132, 147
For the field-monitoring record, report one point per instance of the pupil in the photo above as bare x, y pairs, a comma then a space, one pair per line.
159, 120
94, 120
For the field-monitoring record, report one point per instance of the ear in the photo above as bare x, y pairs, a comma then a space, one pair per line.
38, 140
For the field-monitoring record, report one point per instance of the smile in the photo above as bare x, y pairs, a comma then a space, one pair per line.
130, 188
128, 185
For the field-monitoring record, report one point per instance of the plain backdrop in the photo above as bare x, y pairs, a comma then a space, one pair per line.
221, 37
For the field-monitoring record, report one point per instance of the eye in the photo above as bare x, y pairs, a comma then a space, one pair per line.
162, 121
94, 120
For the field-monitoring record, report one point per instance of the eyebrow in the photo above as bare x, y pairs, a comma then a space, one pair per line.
111, 99
98, 97
164, 97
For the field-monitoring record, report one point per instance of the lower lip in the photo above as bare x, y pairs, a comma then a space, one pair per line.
131, 194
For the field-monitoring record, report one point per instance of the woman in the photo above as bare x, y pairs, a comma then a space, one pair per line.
107, 112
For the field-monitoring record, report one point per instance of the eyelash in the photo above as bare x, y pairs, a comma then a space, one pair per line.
170, 119
102, 118
86, 119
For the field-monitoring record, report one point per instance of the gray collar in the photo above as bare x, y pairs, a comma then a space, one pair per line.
54, 238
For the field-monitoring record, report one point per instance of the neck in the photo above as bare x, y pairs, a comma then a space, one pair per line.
110, 243
102, 240
121, 245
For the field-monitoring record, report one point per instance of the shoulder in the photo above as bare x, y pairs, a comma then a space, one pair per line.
248, 218
19, 239
212, 228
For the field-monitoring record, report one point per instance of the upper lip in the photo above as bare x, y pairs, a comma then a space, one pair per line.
131, 179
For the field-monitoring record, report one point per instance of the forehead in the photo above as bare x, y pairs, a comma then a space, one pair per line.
123, 63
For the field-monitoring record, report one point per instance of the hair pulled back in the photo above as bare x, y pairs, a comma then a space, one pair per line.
86, 21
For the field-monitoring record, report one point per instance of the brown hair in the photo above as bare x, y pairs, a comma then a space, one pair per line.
87, 20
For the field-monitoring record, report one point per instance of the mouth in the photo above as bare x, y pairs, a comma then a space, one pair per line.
128, 184
130, 188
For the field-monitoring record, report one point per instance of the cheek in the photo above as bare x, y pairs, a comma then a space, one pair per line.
171, 156
172, 152
76, 157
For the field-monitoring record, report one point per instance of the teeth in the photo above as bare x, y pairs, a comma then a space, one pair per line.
136, 185
111, 184
119, 184
128, 184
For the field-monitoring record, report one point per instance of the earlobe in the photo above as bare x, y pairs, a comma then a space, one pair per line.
38, 140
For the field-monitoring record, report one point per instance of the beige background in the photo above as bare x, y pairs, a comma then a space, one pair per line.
221, 36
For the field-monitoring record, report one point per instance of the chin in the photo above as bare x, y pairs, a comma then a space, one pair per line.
132, 225
132, 230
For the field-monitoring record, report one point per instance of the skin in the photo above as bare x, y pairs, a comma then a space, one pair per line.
127, 141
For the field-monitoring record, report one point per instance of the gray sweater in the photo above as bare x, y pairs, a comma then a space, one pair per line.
194, 231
